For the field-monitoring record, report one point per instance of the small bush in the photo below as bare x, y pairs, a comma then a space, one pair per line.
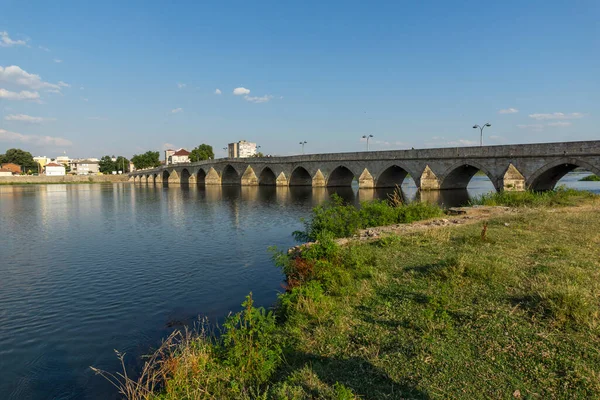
249, 345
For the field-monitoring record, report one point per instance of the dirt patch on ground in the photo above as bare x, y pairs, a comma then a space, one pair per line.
456, 216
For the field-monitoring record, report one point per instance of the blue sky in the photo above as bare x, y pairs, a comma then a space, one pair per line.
119, 77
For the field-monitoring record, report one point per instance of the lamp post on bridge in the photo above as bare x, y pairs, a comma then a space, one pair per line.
481, 132
367, 137
303, 143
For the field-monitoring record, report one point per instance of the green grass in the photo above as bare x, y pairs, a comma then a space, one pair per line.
590, 178
559, 197
344, 220
435, 314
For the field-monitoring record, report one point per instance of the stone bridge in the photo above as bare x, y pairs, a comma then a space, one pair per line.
509, 167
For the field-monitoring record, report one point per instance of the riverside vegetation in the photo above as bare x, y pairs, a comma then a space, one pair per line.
590, 178
441, 313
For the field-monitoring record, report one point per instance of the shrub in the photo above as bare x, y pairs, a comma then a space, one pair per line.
249, 344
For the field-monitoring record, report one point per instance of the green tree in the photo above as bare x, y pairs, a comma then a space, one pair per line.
106, 165
19, 157
259, 154
149, 159
122, 164
202, 152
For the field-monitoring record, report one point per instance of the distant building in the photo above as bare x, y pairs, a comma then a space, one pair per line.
15, 169
241, 149
5, 172
85, 167
64, 160
42, 161
177, 156
168, 154
54, 169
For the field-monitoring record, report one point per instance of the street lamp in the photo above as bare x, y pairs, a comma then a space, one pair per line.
303, 143
367, 137
481, 132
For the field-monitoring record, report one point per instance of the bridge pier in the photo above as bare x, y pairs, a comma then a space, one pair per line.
513, 180
319, 179
212, 178
249, 178
428, 180
281, 180
365, 180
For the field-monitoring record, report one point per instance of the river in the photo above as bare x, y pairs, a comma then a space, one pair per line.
85, 269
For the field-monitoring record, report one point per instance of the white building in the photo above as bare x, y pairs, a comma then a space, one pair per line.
54, 169
241, 149
180, 156
177, 156
5, 172
85, 167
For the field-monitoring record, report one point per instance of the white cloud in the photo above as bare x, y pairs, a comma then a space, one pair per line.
508, 111
241, 91
181, 85
556, 115
23, 95
27, 118
63, 84
168, 146
44, 48
176, 110
262, 99
17, 76
57, 60
97, 118
35, 140
6, 41
559, 123
533, 127
217, 91
85, 99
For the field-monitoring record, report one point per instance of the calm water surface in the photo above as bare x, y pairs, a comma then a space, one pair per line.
85, 269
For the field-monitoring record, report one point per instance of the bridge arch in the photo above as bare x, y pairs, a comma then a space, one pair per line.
185, 176
201, 177
300, 177
154, 178
267, 177
340, 176
547, 176
392, 176
459, 175
230, 176
165, 177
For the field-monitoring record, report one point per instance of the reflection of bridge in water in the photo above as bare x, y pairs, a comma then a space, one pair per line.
235, 195
510, 167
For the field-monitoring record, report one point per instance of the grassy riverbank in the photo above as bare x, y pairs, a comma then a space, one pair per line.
449, 312
590, 178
